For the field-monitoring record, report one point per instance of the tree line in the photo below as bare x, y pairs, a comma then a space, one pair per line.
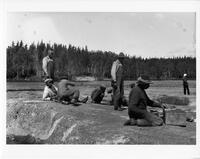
25, 62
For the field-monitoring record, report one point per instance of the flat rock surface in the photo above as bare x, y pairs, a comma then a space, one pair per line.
55, 123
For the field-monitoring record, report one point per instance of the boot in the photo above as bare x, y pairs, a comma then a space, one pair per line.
84, 100
130, 122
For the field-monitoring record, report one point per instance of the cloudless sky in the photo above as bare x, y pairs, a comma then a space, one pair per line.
141, 34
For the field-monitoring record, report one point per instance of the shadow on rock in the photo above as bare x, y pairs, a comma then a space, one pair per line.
27, 139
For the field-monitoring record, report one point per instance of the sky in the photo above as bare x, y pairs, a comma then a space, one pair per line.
145, 34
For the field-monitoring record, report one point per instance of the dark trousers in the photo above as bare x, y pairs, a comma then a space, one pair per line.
145, 118
118, 93
97, 96
69, 94
186, 90
117, 98
50, 70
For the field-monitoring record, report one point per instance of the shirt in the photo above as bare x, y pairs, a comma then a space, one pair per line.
138, 99
45, 62
115, 67
49, 92
185, 83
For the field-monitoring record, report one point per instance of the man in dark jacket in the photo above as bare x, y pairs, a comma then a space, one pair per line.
185, 85
118, 82
138, 102
98, 94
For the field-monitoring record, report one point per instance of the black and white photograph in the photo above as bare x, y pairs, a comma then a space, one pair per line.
101, 78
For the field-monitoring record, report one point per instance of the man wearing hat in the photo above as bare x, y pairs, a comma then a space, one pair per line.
98, 94
138, 102
185, 85
48, 64
118, 82
50, 90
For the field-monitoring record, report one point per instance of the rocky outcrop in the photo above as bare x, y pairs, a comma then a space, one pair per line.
38, 122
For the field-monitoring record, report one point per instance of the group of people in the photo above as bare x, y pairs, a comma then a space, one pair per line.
138, 99
137, 102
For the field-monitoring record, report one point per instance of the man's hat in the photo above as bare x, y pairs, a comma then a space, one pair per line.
102, 87
144, 79
48, 80
121, 55
185, 75
63, 77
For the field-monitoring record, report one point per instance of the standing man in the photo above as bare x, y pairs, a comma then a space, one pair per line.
48, 64
185, 85
138, 102
118, 82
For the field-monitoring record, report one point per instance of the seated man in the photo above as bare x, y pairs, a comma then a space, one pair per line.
67, 92
50, 90
98, 94
138, 102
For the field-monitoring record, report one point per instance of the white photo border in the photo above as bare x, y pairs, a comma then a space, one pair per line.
96, 151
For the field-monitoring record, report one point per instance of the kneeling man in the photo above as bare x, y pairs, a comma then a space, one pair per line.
138, 102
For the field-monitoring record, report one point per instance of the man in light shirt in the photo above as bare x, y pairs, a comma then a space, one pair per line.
118, 82
50, 90
48, 65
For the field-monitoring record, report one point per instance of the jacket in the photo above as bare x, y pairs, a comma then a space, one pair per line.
138, 99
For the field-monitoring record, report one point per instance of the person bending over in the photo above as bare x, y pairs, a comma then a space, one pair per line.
138, 102
98, 94
185, 85
67, 92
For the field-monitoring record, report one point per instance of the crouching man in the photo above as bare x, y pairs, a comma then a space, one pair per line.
67, 92
50, 90
138, 102
98, 94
